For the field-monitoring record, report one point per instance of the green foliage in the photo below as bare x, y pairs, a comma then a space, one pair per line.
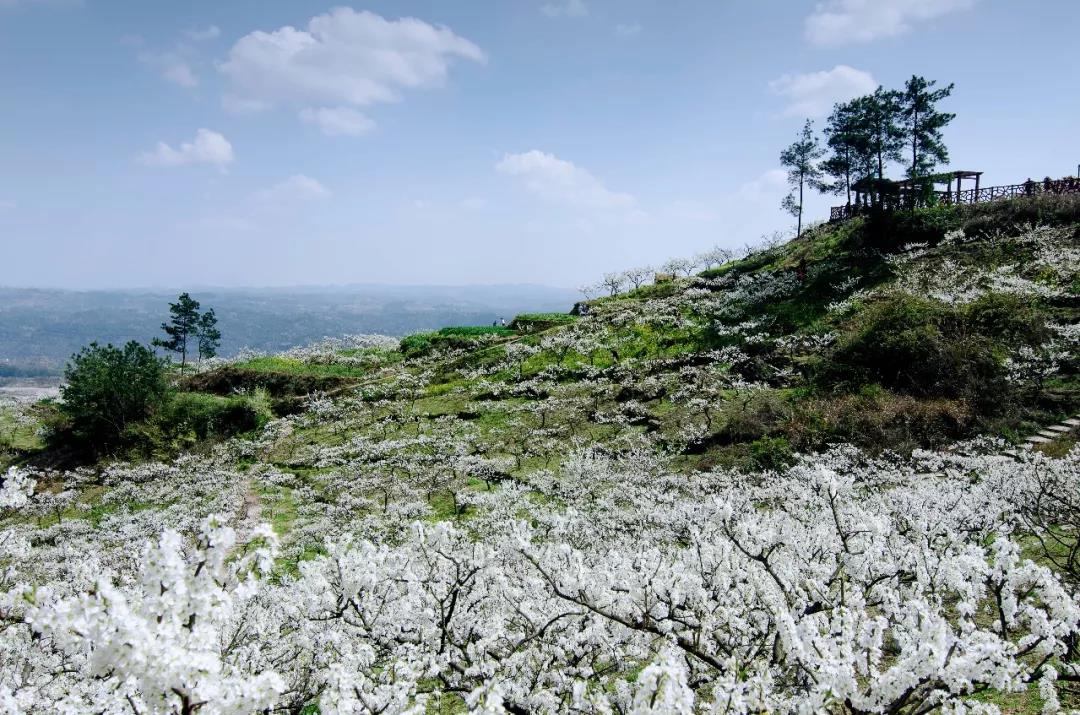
204, 416
561, 318
803, 162
181, 328
922, 124
889, 231
452, 338
533, 322
474, 330
209, 335
844, 138
771, 453
1055, 210
108, 389
880, 137
929, 349
288, 366
418, 345
1009, 318
19, 431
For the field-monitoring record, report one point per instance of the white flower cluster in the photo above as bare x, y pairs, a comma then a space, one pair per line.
848, 583
16, 489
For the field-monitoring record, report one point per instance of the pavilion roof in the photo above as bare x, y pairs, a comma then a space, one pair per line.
943, 177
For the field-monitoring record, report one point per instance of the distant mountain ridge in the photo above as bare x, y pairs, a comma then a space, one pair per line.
40, 328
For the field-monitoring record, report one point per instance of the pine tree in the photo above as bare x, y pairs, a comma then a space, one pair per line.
847, 141
182, 327
922, 124
802, 161
879, 122
209, 335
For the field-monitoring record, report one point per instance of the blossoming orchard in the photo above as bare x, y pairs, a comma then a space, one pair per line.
570, 519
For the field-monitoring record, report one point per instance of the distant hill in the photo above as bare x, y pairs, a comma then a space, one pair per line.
41, 328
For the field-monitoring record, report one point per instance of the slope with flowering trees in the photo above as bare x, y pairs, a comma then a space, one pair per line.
720, 493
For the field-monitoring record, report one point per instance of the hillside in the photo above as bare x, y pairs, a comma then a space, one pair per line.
890, 336
792, 482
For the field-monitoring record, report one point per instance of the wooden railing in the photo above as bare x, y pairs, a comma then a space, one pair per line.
1068, 185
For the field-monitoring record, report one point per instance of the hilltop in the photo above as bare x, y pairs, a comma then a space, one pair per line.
791, 482
896, 333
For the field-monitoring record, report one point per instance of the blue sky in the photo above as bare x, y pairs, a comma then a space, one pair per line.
267, 142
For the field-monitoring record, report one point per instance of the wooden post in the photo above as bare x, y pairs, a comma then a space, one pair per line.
977, 187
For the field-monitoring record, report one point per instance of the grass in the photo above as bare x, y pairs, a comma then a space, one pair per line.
554, 318
279, 508
15, 436
288, 366
475, 330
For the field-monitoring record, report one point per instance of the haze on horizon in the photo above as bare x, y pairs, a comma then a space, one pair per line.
422, 142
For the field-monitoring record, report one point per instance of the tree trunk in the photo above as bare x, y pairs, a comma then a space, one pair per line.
798, 231
914, 142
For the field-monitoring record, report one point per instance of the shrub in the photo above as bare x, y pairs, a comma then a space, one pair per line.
206, 416
416, 345
888, 231
877, 419
108, 389
1044, 208
773, 453
917, 347
1009, 317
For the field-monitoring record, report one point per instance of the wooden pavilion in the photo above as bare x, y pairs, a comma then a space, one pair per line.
934, 181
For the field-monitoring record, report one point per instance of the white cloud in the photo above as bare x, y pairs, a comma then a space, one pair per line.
628, 30
336, 121
813, 94
566, 8
207, 147
770, 184
204, 33
343, 57
297, 187
560, 181
839, 22
7, 205
171, 66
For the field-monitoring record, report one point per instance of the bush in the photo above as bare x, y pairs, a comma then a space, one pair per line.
917, 347
453, 338
876, 419
205, 416
1010, 318
889, 231
1045, 208
773, 453
416, 345
109, 389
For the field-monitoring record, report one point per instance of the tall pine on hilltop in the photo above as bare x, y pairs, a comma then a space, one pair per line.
181, 328
922, 124
802, 162
209, 335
